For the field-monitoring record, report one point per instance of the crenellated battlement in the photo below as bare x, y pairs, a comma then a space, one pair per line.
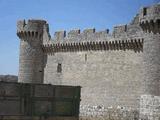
74, 33
30, 29
60, 35
150, 19
149, 13
90, 39
133, 44
77, 35
151, 26
119, 30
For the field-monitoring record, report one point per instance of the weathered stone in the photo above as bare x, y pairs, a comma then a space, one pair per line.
114, 69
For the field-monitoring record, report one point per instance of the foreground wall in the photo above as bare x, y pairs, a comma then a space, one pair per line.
39, 100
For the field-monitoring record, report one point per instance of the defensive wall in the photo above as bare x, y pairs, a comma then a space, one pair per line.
115, 69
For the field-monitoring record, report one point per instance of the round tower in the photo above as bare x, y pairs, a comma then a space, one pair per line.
31, 61
149, 19
150, 24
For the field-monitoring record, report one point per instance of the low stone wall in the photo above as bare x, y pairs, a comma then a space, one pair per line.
150, 107
36, 118
101, 113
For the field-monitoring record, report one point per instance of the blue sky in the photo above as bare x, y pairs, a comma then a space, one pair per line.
61, 15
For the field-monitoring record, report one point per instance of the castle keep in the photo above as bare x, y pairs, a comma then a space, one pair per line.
114, 69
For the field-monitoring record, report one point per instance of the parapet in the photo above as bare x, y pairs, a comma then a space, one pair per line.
74, 33
149, 13
89, 31
31, 28
59, 35
149, 18
119, 30
77, 35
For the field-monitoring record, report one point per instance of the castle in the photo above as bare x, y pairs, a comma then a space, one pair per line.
114, 69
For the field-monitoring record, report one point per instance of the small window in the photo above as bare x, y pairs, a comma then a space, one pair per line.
85, 57
144, 11
125, 28
59, 68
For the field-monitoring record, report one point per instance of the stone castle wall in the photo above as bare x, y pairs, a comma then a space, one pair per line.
107, 65
114, 69
150, 107
111, 75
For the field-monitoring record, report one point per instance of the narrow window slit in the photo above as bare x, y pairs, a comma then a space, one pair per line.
59, 68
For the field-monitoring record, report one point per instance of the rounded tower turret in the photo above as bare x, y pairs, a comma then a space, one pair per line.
150, 24
149, 19
31, 61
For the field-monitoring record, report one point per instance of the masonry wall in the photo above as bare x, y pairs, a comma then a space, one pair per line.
114, 69
114, 76
31, 55
109, 67
150, 107
19, 99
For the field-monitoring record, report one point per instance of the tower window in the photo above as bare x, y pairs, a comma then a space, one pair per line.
59, 68
144, 11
